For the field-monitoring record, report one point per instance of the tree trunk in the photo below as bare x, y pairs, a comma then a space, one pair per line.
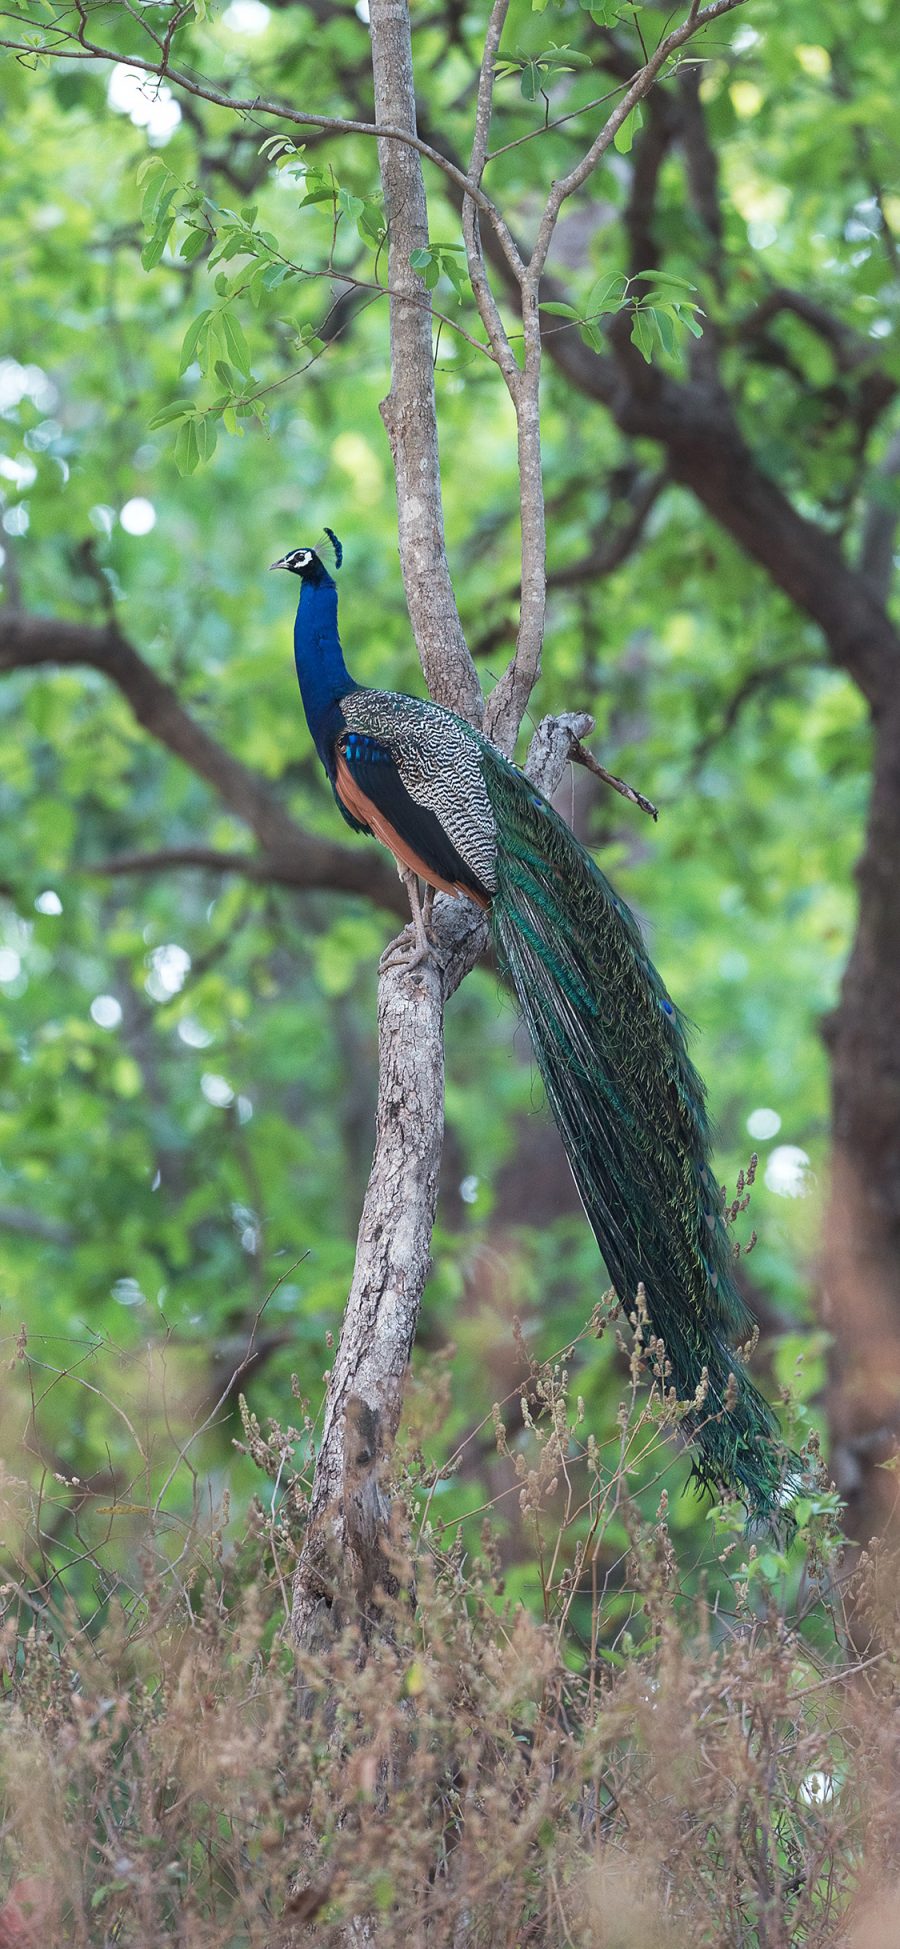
861, 1270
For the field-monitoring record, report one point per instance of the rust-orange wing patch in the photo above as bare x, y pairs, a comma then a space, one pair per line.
359, 804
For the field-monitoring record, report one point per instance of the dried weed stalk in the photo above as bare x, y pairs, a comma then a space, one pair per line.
647, 1752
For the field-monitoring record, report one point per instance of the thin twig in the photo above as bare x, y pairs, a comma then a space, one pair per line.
581, 756
195, 84
641, 86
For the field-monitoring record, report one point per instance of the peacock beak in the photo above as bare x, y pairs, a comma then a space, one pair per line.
279, 564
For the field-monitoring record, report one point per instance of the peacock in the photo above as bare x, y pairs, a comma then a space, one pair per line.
609, 1041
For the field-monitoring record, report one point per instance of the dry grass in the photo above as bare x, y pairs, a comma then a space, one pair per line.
644, 1757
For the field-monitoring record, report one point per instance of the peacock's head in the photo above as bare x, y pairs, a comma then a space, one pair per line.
308, 562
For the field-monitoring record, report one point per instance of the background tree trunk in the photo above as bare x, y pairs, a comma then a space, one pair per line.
861, 1256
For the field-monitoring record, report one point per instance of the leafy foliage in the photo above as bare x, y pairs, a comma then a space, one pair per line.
187, 1056
210, 1127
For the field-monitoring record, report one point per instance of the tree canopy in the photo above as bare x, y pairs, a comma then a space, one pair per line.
197, 346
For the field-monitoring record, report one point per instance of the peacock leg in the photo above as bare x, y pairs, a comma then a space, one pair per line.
397, 955
427, 905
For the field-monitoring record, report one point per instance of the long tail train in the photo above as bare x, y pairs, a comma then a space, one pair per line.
630, 1107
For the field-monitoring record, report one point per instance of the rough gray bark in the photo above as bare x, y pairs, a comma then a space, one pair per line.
394, 1239
409, 411
394, 1243
392, 1253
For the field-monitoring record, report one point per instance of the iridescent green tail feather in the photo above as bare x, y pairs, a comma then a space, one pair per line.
630, 1107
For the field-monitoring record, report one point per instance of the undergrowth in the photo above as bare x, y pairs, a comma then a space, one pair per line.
649, 1753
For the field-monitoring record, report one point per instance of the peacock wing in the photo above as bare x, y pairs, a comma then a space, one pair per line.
411, 773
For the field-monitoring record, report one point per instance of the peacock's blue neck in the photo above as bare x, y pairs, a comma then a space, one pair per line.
322, 673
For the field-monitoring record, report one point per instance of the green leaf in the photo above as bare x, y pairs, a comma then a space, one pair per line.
193, 244
191, 341
643, 334
625, 135
318, 190
563, 59
207, 436
235, 343
371, 225
157, 207
187, 447
530, 82
662, 277
213, 342
558, 309
178, 410
608, 294
276, 145
457, 273
234, 246
664, 327
353, 206
151, 165
153, 250
156, 179
420, 258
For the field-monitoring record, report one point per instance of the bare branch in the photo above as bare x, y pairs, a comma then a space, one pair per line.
366, 1383
510, 695
641, 86
194, 84
488, 308
485, 104
409, 412
558, 122
483, 113
580, 756
29, 642
318, 864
